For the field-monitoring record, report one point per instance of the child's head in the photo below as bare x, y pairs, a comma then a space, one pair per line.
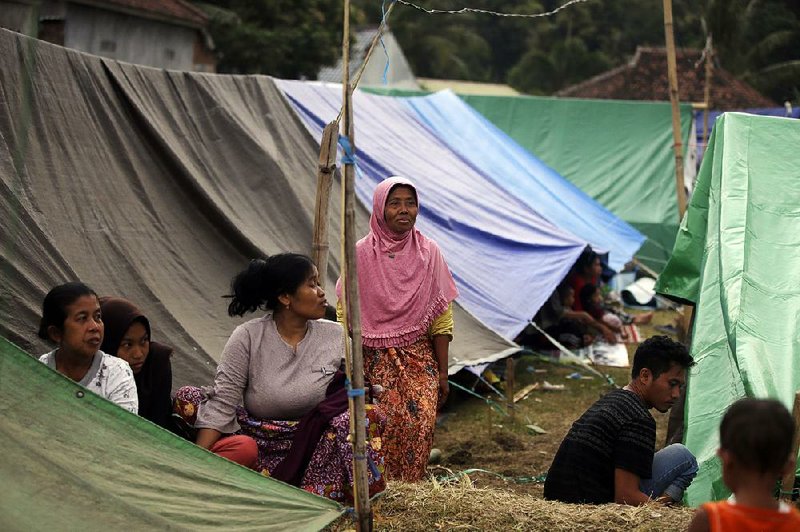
755, 437
590, 296
566, 293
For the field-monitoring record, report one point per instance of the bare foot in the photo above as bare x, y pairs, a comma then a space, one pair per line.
643, 318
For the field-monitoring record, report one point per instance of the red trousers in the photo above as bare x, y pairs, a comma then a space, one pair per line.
240, 449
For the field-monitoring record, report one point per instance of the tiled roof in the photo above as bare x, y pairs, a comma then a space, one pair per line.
177, 10
645, 78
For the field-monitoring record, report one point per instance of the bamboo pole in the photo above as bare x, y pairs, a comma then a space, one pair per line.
707, 89
672, 71
353, 313
787, 483
325, 170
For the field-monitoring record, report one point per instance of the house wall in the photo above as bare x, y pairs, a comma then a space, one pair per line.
127, 38
18, 16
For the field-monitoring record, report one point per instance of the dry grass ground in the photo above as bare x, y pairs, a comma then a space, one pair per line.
471, 435
431, 506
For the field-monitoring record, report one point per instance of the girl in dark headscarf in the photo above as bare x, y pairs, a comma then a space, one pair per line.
127, 336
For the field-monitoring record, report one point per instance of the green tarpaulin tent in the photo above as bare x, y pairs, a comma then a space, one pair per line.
618, 152
737, 257
72, 460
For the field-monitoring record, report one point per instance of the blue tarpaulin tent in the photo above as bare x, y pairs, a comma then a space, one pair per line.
518, 171
506, 258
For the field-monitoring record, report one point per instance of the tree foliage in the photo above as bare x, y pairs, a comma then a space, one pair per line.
282, 38
758, 40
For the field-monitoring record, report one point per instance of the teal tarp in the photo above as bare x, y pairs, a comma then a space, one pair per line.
72, 460
618, 152
737, 256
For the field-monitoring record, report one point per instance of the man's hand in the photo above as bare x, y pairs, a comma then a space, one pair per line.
666, 500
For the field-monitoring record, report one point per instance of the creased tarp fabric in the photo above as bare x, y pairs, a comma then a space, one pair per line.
506, 259
514, 168
618, 152
103, 193
72, 460
737, 256
156, 186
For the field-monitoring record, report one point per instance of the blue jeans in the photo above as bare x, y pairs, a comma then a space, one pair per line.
674, 468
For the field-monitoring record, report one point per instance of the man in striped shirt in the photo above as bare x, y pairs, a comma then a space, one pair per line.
609, 453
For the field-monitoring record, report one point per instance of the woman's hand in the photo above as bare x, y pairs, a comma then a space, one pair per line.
444, 390
206, 438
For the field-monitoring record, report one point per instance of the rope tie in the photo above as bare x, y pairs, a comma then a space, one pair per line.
349, 157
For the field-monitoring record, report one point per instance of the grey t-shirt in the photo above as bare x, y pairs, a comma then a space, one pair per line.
271, 379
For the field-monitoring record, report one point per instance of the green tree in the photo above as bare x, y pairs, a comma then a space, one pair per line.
758, 40
282, 38
567, 62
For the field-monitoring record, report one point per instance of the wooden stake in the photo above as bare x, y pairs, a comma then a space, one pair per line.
672, 71
325, 171
787, 483
510, 386
707, 89
353, 312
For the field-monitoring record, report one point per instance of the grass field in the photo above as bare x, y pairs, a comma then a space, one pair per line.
473, 435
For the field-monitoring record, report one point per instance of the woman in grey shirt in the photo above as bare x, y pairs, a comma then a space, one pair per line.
276, 379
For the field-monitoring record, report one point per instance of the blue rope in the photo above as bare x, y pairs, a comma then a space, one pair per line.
353, 392
383, 45
374, 468
349, 157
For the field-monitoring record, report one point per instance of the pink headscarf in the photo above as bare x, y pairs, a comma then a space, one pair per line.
404, 281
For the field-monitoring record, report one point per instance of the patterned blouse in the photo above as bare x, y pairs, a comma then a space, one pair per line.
108, 377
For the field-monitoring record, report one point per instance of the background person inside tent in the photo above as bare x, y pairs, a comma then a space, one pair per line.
128, 336
588, 269
592, 301
574, 329
71, 318
279, 383
406, 292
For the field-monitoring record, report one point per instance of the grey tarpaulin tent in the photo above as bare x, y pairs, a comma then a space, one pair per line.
157, 186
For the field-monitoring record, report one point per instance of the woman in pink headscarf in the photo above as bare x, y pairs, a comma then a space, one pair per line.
406, 290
